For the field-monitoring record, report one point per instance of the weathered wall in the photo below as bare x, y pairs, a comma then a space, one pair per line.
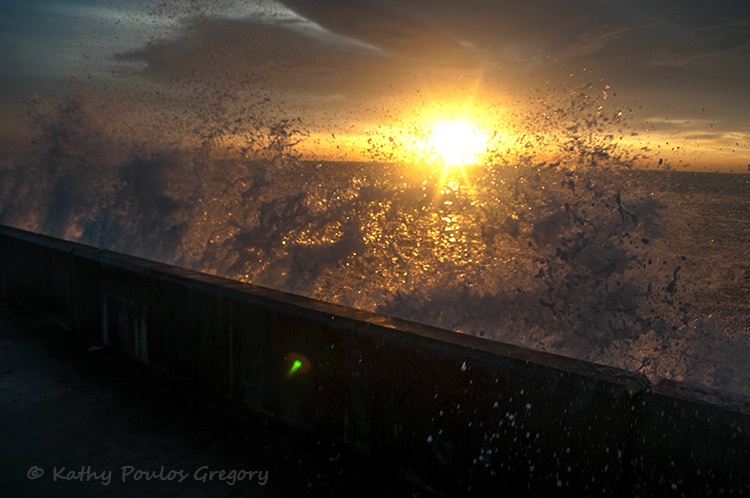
460, 414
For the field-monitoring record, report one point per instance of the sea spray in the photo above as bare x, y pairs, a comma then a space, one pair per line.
552, 242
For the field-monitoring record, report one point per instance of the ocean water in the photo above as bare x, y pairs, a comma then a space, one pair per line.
717, 207
583, 255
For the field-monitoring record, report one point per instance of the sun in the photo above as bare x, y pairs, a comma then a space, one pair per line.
457, 143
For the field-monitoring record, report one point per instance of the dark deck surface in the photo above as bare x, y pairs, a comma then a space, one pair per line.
74, 418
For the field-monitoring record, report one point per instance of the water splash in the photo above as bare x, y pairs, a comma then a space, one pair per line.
554, 242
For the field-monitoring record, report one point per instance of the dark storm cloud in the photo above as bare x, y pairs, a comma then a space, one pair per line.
346, 50
541, 35
384, 27
270, 55
582, 29
34, 42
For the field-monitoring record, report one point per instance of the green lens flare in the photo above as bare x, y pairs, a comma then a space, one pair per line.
295, 366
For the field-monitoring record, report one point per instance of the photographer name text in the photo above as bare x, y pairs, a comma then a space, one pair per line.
130, 473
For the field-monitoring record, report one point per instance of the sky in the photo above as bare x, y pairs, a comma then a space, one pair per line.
352, 69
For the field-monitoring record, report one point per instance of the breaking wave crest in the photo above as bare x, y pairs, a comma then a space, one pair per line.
575, 253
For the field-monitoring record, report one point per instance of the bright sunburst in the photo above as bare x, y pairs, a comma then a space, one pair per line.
457, 143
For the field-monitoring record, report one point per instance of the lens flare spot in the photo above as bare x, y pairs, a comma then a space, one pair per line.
296, 364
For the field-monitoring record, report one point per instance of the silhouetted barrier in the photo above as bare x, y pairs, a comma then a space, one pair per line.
459, 414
